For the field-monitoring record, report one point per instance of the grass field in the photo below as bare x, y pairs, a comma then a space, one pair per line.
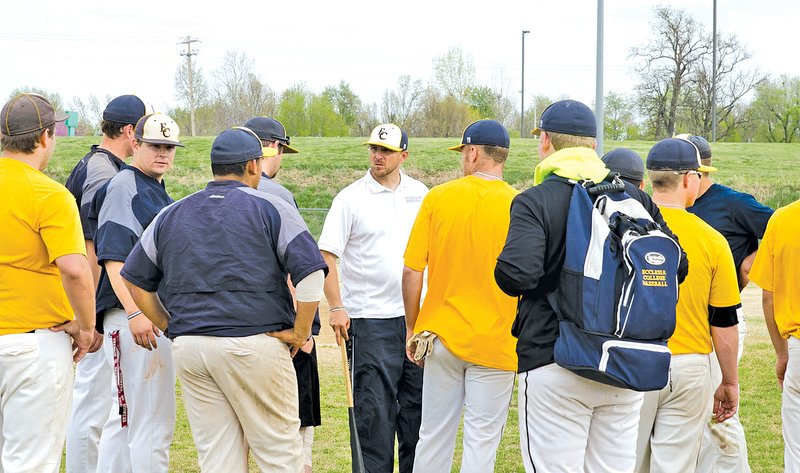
325, 165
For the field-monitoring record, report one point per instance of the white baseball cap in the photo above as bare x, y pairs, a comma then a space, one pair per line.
390, 136
157, 129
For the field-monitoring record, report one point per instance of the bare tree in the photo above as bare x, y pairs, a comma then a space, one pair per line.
401, 105
667, 63
194, 83
240, 93
454, 72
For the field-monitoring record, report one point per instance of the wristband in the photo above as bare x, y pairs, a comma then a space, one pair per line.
130, 316
338, 309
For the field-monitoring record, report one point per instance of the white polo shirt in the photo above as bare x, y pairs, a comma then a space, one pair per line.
367, 227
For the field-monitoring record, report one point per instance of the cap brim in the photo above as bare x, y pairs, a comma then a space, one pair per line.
161, 142
703, 168
536, 131
268, 151
384, 145
288, 149
455, 148
60, 116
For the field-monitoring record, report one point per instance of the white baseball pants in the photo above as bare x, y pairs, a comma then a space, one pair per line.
724, 448
147, 391
450, 386
570, 424
671, 425
240, 392
790, 409
35, 395
90, 408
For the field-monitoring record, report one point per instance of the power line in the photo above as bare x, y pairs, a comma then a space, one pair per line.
188, 40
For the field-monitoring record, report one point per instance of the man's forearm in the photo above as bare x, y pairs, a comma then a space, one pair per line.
726, 346
76, 278
412, 293
331, 286
778, 342
113, 269
304, 318
150, 305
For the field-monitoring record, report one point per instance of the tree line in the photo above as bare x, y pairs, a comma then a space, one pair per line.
674, 93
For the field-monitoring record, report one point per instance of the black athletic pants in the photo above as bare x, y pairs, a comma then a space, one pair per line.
387, 393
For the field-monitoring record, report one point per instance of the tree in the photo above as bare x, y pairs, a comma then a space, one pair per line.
454, 72
191, 88
733, 84
402, 105
53, 97
444, 115
345, 102
241, 94
619, 121
88, 125
667, 62
776, 110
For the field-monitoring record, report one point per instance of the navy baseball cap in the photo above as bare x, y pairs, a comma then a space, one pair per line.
270, 129
626, 162
675, 154
484, 132
702, 145
569, 117
27, 113
237, 145
125, 109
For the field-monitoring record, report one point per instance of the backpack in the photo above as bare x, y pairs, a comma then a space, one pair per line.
618, 289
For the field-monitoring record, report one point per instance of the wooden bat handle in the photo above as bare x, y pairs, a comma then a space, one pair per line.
348, 386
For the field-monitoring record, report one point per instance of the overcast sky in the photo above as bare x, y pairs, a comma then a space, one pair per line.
104, 48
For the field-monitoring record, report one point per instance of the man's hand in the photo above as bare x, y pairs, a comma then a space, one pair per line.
726, 401
82, 340
293, 339
144, 332
309, 345
97, 343
340, 323
780, 369
411, 349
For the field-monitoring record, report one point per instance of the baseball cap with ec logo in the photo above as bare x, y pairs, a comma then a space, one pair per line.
389, 136
157, 129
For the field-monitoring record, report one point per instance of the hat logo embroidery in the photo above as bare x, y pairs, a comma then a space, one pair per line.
382, 133
165, 130
469, 139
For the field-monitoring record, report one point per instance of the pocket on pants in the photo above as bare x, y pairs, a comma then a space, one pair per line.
21, 349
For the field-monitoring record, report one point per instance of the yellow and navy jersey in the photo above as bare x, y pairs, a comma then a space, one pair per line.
711, 281
775, 267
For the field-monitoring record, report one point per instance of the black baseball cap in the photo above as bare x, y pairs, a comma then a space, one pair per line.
125, 109
270, 129
701, 143
675, 154
484, 132
235, 145
626, 162
569, 117
27, 113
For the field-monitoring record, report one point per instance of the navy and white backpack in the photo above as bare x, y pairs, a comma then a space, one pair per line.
618, 290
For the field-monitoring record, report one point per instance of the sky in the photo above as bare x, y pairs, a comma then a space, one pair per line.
106, 48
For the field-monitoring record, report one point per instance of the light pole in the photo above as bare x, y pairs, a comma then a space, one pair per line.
598, 95
522, 91
714, 79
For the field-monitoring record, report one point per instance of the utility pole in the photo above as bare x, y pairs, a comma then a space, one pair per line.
522, 91
189, 53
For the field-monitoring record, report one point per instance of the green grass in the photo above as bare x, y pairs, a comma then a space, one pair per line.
326, 165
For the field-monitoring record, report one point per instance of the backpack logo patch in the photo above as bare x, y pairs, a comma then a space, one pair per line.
656, 259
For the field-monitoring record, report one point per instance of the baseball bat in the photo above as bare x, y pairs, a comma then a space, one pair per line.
355, 445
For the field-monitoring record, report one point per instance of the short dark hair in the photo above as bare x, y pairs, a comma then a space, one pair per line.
235, 169
26, 142
112, 129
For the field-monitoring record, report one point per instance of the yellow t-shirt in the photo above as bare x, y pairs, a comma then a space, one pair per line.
775, 267
40, 223
711, 280
460, 230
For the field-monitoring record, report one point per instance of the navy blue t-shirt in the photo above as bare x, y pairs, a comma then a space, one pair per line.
221, 257
123, 209
87, 177
739, 217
